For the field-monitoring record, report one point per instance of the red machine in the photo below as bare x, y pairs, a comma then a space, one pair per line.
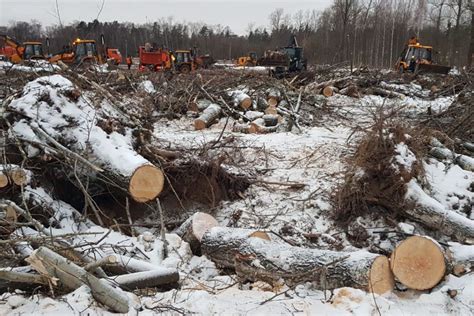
157, 60
114, 54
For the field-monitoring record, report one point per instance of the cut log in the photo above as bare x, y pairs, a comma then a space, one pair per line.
429, 212
3, 180
199, 105
253, 115
241, 128
221, 244
465, 162
78, 126
351, 91
273, 97
418, 263
50, 264
462, 258
271, 110
386, 93
242, 99
328, 91
207, 117
271, 119
20, 278
268, 261
256, 126
194, 228
146, 279
146, 183
19, 176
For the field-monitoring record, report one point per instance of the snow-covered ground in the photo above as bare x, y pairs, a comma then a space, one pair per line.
314, 157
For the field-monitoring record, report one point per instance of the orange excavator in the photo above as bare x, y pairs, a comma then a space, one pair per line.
82, 51
16, 52
417, 58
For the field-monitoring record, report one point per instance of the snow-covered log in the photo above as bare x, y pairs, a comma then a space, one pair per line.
199, 105
273, 96
418, 262
465, 162
386, 93
241, 99
221, 244
271, 119
259, 259
462, 258
207, 117
71, 126
146, 279
241, 128
433, 214
194, 228
253, 115
52, 265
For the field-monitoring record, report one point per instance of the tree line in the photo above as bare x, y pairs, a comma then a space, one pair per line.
364, 32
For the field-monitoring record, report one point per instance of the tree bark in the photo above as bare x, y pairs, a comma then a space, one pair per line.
50, 264
432, 214
220, 244
194, 228
263, 260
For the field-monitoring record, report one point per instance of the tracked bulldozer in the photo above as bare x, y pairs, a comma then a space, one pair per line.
417, 58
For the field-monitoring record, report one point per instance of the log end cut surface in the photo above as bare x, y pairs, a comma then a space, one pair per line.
328, 91
202, 222
199, 124
381, 277
19, 177
418, 263
146, 183
3, 180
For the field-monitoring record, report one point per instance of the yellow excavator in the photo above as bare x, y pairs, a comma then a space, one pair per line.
417, 58
16, 52
82, 51
248, 61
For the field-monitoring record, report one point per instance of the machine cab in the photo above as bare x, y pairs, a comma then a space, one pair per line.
419, 53
85, 50
184, 61
33, 50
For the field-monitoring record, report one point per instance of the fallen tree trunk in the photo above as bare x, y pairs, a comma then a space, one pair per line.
431, 213
199, 105
77, 123
259, 259
418, 262
146, 279
221, 244
194, 228
50, 264
207, 117
386, 93
465, 162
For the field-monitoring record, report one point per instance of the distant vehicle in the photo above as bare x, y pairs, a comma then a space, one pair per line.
248, 61
285, 60
418, 58
83, 51
184, 61
16, 52
114, 55
154, 59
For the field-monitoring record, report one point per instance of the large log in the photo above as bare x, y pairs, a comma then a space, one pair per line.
433, 214
465, 162
194, 228
75, 132
207, 117
199, 105
418, 262
145, 279
50, 264
273, 97
221, 244
242, 99
259, 259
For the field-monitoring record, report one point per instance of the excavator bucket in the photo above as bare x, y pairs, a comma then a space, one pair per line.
437, 69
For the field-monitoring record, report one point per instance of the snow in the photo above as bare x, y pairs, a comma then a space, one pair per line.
315, 157
45, 104
147, 86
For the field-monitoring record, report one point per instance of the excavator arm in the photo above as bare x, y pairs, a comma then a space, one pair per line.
19, 49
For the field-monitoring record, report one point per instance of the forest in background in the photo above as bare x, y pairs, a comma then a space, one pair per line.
365, 32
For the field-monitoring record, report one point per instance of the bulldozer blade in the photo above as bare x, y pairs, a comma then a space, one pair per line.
437, 69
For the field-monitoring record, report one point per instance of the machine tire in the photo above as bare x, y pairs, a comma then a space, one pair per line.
185, 69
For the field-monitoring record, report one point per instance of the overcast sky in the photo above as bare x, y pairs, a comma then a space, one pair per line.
236, 14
